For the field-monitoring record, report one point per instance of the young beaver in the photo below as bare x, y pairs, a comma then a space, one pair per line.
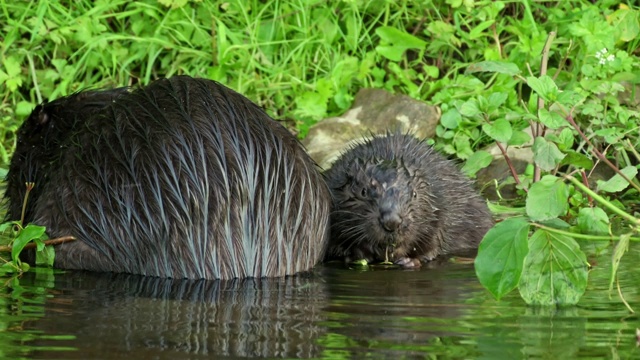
183, 178
396, 199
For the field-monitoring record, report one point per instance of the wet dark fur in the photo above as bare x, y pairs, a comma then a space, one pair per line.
184, 178
395, 194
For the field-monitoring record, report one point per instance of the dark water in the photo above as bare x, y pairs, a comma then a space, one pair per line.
335, 313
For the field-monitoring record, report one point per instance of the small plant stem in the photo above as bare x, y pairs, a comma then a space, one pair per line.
514, 173
539, 129
599, 155
29, 186
633, 150
622, 297
585, 181
581, 236
563, 61
32, 69
603, 201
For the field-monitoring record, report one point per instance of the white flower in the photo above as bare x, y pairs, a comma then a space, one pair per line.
603, 58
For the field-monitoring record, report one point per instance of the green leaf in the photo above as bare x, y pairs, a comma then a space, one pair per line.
400, 40
626, 22
469, 108
519, 137
621, 247
451, 118
24, 108
544, 87
578, 160
30, 232
565, 139
593, 221
46, 256
551, 119
501, 256
497, 99
311, 104
501, 67
569, 98
617, 182
555, 270
546, 154
547, 199
477, 31
479, 160
499, 130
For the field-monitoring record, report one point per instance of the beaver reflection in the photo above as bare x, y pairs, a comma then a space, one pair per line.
120, 314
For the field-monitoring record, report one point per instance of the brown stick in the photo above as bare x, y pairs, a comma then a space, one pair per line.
514, 173
56, 241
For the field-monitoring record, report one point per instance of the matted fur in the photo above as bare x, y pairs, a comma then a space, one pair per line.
184, 178
395, 197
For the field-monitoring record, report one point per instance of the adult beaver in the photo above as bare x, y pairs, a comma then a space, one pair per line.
396, 199
184, 178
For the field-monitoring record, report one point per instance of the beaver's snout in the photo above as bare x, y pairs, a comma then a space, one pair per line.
390, 217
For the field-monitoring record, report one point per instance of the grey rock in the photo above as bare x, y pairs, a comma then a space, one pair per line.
374, 111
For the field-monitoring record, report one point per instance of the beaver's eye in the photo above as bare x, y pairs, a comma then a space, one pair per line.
415, 194
363, 192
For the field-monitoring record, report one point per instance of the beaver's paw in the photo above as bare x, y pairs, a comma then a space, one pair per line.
409, 263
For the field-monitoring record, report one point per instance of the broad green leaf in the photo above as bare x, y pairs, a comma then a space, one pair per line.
494, 66
396, 42
621, 247
477, 31
46, 256
469, 108
496, 100
551, 119
555, 270
451, 118
400, 38
519, 137
30, 232
479, 160
617, 183
393, 53
8, 225
626, 22
24, 108
577, 159
569, 98
501, 256
547, 199
546, 154
593, 221
544, 87
565, 139
499, 130
311, 104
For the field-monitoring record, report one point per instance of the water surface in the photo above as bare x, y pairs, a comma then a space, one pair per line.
440, 311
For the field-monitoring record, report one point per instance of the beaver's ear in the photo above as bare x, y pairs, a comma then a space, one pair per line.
43, 117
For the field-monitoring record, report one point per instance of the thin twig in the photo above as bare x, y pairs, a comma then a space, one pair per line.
598, 154
540, 128
56, 241
514, 173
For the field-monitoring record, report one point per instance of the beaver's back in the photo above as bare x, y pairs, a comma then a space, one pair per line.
184, 178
